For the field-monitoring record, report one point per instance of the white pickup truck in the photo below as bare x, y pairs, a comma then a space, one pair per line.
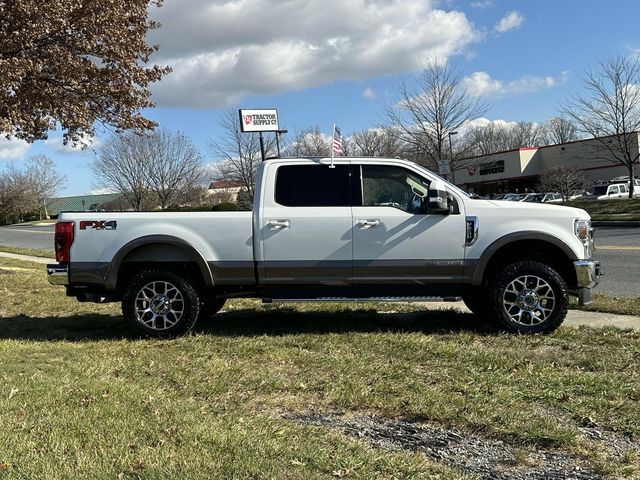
362, 229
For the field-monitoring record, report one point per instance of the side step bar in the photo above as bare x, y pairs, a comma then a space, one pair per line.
363, 299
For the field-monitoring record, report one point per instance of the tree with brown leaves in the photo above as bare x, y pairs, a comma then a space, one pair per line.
75, 63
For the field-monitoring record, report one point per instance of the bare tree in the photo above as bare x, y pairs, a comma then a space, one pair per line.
560, 130
175, 167
438, 105
238, 153
158, 168
310, 142
609, 111
565, 180
16, 194
122, 165
377, 142
528, 134
44, 180
499, 137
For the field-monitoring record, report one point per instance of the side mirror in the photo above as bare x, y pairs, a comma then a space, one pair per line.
438, 198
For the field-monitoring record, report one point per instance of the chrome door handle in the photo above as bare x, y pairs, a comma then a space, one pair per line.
368, 223
278, 224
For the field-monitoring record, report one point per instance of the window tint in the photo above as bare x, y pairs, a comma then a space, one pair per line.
313, 186
387, 186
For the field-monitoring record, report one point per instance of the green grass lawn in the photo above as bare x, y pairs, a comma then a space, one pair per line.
81, 396
624, 209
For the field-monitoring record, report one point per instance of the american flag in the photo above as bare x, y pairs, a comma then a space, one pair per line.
338, 143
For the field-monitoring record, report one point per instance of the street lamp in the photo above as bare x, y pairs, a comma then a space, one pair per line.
278, 133
453, 177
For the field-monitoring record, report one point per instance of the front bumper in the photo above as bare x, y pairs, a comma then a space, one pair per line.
58, 274
587, 273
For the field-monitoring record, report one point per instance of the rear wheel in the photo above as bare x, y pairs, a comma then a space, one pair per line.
160, 304
528, 297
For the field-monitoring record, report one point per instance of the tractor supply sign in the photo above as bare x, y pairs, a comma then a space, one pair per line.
259, 120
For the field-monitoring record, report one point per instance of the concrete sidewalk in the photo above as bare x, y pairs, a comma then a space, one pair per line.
575, 318
27, 258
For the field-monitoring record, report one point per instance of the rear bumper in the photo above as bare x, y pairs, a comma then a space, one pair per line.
58, 274
587, 273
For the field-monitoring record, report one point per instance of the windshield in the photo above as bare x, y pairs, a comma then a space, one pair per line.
448, 183
600, 190
533, 198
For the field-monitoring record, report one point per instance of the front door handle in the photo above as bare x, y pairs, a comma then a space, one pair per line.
278, 224
368, 223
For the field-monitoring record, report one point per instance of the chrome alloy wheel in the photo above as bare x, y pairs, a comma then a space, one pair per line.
529, 300
159, 305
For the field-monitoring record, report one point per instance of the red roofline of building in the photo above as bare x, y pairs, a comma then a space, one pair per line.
547, 146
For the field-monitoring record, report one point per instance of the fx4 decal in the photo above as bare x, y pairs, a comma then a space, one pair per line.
99, 224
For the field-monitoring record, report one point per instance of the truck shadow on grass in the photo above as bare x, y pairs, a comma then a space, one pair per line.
247, 322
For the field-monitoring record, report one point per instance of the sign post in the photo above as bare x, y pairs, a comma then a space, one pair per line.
259, 120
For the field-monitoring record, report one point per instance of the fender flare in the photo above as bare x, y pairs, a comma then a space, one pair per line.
489, 252
114, 266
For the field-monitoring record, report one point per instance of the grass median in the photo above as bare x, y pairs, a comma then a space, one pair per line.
81, 396
34, 252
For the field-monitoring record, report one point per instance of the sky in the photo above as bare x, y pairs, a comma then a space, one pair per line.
341, 61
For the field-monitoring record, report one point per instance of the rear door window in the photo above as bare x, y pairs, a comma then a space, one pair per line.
313, 186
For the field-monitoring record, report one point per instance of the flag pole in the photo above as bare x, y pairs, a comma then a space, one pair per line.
333, 138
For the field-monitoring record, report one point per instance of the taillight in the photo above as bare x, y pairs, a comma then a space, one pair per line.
62, 241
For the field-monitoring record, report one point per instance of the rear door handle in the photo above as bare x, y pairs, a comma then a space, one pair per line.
368, 223
278, 224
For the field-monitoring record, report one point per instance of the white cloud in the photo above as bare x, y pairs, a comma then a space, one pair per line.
369, 93
58, 146
481, 84
484, 122
510, 21
481, 4
12, 149
101, 191
222, 51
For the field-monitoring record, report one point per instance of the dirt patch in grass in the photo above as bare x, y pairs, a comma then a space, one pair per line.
466, 451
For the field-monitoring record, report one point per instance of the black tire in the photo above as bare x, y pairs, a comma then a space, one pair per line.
172, 304
477, 300
211, 306
528, 297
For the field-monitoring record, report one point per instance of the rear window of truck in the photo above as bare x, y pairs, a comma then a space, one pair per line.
313, 186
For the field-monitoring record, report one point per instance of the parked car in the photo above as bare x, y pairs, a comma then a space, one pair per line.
552, 198
533, 198
365, 230
608, 192
514, 197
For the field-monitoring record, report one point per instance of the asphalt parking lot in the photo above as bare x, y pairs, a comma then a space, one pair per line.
618, 250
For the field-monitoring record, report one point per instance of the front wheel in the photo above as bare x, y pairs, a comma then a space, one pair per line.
529, 297
160, 304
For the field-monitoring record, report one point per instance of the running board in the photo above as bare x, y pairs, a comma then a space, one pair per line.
363, 299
